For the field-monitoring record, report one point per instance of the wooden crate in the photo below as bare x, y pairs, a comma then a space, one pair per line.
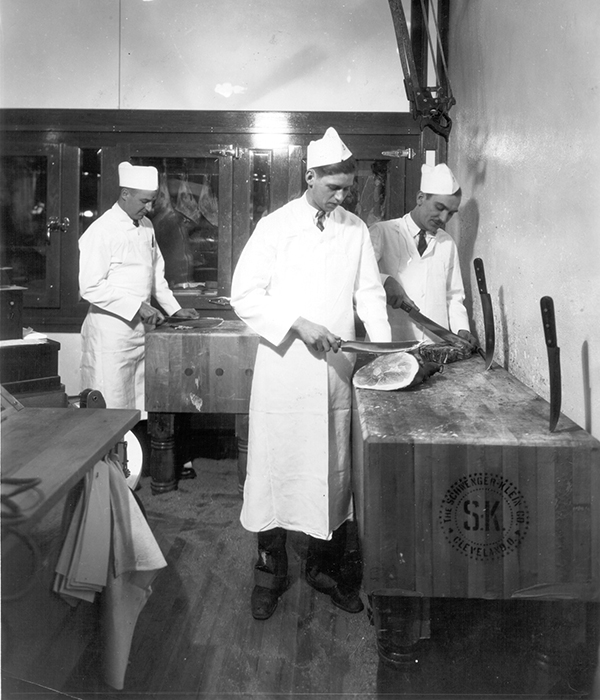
462, 491
200, 370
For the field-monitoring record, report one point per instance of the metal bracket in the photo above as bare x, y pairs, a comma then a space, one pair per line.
234, 151
429, 105
409, 153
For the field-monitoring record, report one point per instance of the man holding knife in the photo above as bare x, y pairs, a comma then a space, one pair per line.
304, 271
120, 269
419, 261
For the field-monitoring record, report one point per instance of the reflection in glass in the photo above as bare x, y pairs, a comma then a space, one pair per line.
261, 186
368, 197
23, 235
89, 187
186, 219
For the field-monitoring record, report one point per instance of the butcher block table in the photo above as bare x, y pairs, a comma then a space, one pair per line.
49, 451
56, 446
196, 370
462, 492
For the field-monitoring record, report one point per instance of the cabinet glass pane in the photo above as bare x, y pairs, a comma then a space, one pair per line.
369, 196
89, 187
186, 219
24, 241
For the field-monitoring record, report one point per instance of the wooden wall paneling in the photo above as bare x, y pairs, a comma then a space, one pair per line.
147, 122
69, 249
225, 260
110, 158
296, 171
280, 165
397, 204
242, 196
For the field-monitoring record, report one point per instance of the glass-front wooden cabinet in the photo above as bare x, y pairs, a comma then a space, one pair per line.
31, 225
219, 173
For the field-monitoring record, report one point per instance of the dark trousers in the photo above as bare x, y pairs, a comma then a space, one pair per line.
323, 556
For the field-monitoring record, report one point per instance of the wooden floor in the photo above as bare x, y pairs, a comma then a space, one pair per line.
196, 638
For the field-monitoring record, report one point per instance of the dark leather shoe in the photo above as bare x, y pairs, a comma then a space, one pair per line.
342, 597
263, 602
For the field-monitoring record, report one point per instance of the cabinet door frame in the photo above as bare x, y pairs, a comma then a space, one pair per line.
204, 148
119, 134
49, 297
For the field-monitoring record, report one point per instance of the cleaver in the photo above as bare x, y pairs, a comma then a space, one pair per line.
379, 348
431, 326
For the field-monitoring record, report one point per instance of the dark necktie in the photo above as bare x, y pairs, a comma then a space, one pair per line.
136, 223
422, 244
320, 220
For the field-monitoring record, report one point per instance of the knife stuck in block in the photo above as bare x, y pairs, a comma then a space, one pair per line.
547, 307
488, 315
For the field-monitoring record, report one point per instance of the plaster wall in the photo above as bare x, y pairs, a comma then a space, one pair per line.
200, 54
524, 145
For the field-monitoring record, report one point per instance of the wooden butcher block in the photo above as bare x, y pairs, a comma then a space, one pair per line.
462, 491
200, 370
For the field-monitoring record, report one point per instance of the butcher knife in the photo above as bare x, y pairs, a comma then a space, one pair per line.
431, 326
488, 313
378, 348
547, 307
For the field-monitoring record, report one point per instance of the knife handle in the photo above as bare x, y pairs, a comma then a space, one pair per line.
547, 307
480, 275
405, 306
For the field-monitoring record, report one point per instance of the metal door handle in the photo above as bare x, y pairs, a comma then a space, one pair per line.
55, 225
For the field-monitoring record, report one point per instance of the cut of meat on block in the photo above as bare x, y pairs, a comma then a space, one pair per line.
388, 372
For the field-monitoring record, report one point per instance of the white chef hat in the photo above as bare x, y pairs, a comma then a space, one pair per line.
326, 151
138, 177
438, 180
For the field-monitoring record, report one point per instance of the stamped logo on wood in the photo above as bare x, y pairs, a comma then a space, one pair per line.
484, 516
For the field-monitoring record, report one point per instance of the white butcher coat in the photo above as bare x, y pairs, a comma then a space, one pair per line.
120, 266
298, 474
433, 282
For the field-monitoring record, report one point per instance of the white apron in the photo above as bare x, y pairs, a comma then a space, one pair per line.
121, 266
298, 474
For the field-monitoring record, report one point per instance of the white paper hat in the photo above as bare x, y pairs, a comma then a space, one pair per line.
138, 177
438, 180
326, 151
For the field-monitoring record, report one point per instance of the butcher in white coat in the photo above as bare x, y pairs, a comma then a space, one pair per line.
419, 261
304, 273
120, 269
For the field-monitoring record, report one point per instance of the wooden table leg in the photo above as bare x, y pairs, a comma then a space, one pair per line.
161, 428
241, 433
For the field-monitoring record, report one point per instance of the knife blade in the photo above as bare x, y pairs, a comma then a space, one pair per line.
430, 325
549, 321
488, 313
380, 348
